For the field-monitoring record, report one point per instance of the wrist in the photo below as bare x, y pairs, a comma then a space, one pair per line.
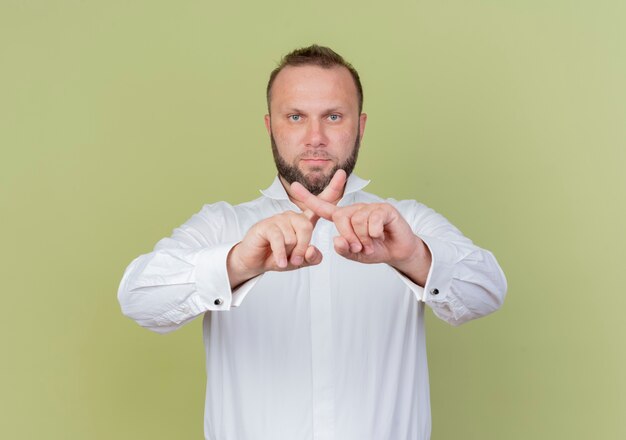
238, 271
417, 265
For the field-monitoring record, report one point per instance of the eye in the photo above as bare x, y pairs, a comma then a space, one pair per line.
334, 117
295, 118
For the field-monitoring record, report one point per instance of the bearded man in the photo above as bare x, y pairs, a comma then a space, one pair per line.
313, 295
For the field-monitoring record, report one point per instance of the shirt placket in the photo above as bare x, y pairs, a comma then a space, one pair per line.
321, 337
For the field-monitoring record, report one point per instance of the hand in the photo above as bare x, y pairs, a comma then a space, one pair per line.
372, 233
281, 242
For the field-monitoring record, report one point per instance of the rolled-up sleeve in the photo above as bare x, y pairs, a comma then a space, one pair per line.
465, 281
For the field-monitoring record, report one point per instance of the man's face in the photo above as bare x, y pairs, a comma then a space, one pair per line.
315, 126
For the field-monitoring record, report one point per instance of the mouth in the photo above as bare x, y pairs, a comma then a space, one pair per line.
315, 161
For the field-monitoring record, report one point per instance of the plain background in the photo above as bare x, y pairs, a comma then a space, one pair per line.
120, 119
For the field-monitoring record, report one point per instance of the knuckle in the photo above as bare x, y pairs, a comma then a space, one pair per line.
284, 216
337, 215
306, 225
300, 249
273, 228
359, 218
270, 223
302, 227
385, 208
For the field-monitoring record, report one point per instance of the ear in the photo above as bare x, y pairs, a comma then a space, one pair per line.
268, 124
362, 121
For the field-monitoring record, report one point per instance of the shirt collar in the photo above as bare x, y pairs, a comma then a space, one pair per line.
276, 190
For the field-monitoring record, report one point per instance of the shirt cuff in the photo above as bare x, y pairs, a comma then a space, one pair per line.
212, 282
444, 257
440, 274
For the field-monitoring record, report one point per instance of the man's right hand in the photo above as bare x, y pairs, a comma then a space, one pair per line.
281, 242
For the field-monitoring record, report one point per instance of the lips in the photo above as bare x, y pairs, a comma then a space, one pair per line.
315, 163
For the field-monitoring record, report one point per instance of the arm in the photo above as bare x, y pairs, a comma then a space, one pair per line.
464, 282
207, 266
185, 275
460, 280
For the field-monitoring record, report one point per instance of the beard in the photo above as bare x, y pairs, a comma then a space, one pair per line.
314, 181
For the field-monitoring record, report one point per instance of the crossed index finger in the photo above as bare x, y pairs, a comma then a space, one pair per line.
323, 208
334, 189
318, 206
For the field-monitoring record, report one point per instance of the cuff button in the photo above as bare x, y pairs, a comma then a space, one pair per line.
218, 302
434, 291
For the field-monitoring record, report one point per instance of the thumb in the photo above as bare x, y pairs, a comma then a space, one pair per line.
312, 256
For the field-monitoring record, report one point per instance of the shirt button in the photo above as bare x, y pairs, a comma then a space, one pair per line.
434, 291
218, 302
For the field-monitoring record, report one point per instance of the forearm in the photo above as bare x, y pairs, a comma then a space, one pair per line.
166, 288
464, 281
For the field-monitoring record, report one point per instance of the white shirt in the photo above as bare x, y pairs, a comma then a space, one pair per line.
330, 352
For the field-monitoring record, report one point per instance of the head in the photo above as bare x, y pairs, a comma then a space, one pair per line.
314, 119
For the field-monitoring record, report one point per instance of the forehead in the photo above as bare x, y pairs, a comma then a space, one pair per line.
300, 86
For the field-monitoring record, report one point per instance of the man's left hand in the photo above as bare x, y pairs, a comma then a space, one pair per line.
372, 233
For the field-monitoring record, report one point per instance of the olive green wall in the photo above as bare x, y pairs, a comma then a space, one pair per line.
120, 119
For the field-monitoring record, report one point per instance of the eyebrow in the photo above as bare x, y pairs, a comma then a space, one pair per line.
336, 109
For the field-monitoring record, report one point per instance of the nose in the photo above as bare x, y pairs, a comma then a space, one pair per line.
316, 135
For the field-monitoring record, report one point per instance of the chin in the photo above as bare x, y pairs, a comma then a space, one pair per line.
315, 175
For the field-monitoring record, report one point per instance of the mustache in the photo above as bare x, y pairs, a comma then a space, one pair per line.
315, 154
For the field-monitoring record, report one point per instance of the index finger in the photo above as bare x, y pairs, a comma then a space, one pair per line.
315, 204
334, 189
332, 192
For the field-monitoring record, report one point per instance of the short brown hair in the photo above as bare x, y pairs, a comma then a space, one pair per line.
315, 55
